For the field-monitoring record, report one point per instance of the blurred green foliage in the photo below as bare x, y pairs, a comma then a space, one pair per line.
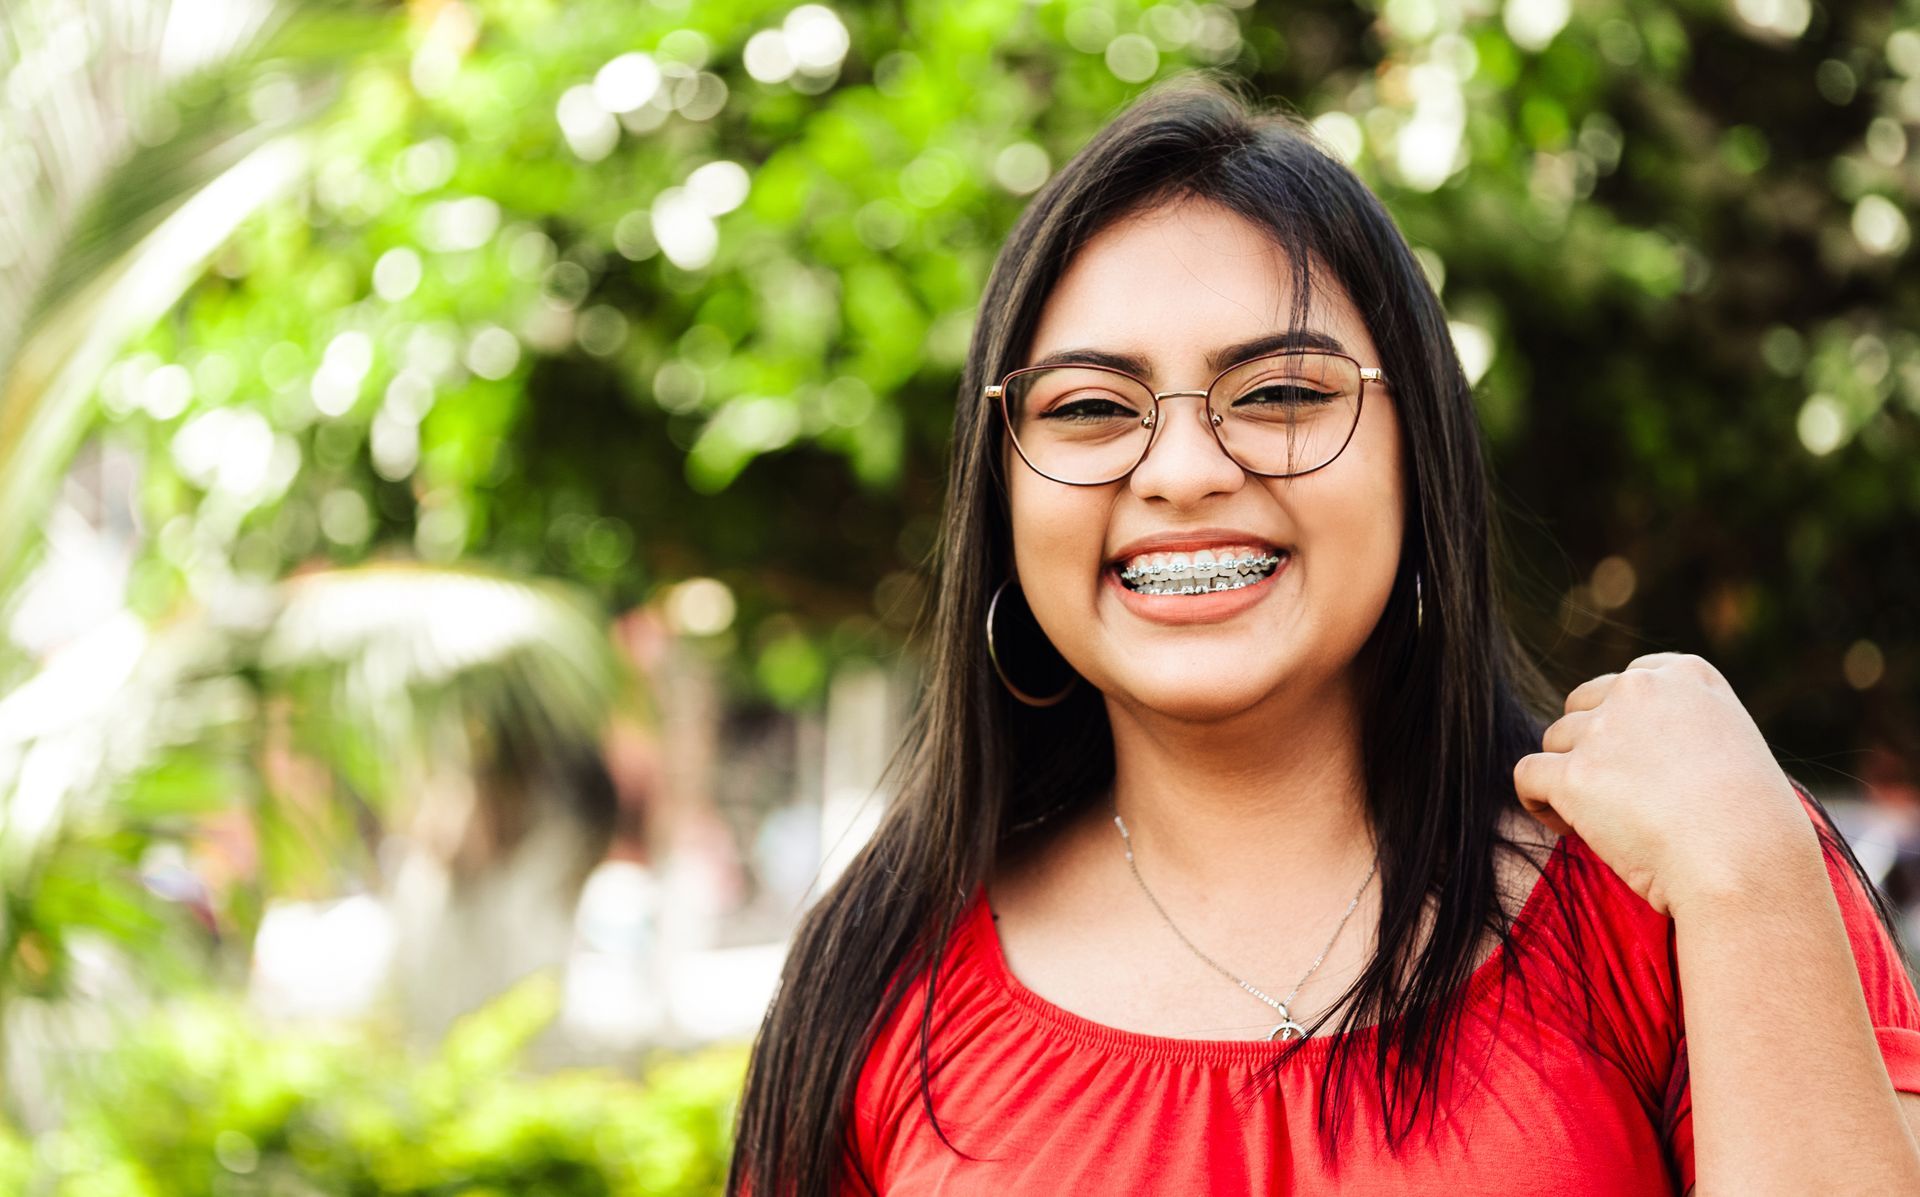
317, 715
203, 1099
486, 350
1673, 237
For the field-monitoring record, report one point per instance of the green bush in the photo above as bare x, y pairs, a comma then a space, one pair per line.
206, 1100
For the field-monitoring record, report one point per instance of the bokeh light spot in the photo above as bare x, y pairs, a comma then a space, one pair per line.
1863, 664
700, 607
1133, 58
626, 82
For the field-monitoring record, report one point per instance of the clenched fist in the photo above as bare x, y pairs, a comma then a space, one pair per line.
1661, 770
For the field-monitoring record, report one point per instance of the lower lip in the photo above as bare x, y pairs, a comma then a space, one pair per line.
1195, 608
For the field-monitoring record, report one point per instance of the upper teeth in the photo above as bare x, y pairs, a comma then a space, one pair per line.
1199, 565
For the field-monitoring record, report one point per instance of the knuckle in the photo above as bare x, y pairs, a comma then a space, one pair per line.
1577, 771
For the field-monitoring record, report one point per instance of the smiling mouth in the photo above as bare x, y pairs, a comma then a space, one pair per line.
1179, 573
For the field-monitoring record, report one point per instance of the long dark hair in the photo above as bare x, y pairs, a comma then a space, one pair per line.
977, 773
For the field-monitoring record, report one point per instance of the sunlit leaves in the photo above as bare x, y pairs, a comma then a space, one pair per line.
648, 255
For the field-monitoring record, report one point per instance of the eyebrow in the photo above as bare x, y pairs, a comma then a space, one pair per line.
1219, 359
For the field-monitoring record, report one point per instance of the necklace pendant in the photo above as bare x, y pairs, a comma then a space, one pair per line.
1288, 1029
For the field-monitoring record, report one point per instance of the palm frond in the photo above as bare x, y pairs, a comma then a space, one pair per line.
121, 734
138, 136
395, 642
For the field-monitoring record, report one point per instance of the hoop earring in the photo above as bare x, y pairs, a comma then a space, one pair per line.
993, 655
1419, 606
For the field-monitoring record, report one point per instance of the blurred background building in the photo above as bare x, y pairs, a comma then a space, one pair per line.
470, 470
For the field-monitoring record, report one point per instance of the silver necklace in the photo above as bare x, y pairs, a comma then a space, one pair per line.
1287, 1028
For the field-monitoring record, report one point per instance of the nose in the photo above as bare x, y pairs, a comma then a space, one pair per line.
1185, 461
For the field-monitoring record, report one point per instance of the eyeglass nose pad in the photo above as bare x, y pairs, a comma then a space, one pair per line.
1146, 421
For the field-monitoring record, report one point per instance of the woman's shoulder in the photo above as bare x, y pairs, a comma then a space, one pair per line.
1587, 923
1558, 896
962, 1009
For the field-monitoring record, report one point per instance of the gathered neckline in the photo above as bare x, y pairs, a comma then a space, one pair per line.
979, 921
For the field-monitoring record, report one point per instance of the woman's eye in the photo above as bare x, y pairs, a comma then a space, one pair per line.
1086, 409
1284, 394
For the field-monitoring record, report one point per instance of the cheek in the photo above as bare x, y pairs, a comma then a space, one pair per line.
1058, 534
1036, 525
1351, 515
1369, 493
1375, 518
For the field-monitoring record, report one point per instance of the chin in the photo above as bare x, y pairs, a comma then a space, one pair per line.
1200, 701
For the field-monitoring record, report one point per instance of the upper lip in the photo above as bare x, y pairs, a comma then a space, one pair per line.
1196, 538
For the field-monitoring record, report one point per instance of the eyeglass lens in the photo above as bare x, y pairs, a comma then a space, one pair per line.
1284, 414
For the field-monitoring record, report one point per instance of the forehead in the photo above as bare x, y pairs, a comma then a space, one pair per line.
1175, 283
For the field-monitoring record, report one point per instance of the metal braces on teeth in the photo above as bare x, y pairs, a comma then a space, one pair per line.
1239, 563
1190, 588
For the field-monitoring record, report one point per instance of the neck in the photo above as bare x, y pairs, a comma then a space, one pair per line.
1268, 806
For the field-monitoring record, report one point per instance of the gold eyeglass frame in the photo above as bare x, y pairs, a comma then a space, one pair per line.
998, 391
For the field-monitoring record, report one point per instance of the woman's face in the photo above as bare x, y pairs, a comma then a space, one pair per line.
1173, 285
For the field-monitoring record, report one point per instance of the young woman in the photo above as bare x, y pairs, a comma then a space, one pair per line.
1236, 847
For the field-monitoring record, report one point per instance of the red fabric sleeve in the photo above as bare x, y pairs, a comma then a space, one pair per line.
886, 1082
1892, 1004
886, 1092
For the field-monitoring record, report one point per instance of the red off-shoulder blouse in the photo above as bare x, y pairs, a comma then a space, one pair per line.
1547, 1094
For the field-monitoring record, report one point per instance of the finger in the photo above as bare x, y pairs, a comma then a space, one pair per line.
1548, 818
1655, 660
1588, 694
1536, 777
1565, 732
1533, 779
1687, 664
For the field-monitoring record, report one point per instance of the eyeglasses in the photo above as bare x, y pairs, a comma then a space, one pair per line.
1278, 415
